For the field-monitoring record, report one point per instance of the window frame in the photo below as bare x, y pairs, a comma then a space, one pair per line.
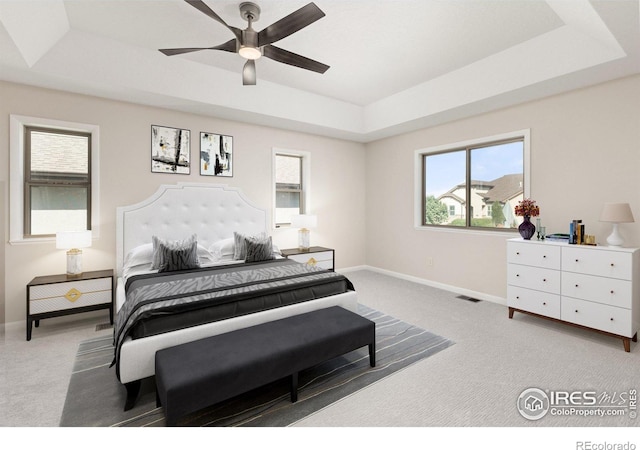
305, 177
17, 126
29, 182
419, 177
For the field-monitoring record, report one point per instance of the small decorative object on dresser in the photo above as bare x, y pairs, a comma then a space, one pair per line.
527, 208
60, 295
315, 256
584, 286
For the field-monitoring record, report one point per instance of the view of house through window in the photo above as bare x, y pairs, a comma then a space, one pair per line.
289, 188
477, 186
57, 181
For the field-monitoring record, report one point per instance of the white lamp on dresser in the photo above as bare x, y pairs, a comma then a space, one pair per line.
73, 241
616, 213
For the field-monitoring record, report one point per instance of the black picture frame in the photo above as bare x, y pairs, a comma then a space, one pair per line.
216, 154
170, 150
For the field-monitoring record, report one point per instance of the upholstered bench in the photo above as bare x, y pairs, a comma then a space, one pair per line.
201, 373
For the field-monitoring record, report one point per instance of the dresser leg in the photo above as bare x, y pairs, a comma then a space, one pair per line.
635, 338
29, 325
510, 312
627, 344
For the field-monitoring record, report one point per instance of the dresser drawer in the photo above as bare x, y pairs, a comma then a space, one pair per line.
546, 256
610, 291
595, 315
603, 263
323, 260
546, 280
537, 302
69, 295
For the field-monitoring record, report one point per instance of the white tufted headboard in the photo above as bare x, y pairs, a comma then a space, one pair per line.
211, 211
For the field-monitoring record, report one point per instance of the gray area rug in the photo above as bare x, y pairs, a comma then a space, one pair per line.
95, 398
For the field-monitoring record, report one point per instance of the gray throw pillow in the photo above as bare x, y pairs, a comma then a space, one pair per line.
239, 248
170, 256
258, 249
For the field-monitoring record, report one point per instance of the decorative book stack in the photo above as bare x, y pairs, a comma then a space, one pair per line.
577, 235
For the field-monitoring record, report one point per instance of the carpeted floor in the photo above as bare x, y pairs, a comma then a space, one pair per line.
95, 398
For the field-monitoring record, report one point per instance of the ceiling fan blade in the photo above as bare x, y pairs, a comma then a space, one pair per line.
249, 73
293, 59
288, 25
229, 46
202, 7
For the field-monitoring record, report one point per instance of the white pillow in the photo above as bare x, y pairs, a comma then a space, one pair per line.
143, 254
222, 249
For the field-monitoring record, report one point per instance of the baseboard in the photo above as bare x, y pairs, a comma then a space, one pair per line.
435, 284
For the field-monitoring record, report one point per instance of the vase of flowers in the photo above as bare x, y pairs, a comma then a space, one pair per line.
527, 208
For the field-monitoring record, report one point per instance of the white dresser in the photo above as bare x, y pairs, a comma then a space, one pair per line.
593, 287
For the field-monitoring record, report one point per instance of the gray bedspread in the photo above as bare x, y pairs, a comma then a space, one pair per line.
162, 302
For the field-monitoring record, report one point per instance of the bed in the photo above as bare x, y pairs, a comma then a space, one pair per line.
214, 214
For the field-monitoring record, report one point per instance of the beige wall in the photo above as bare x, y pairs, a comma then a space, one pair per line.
337, 174
585, 151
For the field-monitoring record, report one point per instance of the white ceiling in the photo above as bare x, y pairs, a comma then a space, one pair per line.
396, 65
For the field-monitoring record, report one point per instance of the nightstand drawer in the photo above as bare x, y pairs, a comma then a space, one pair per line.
318, 259
69, 295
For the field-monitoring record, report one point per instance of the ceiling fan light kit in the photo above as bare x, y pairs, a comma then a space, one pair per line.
252, 45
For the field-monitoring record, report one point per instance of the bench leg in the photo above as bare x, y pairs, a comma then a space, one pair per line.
133, 389
372, 354
294, 387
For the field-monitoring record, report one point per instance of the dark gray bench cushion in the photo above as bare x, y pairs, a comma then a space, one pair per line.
197, 374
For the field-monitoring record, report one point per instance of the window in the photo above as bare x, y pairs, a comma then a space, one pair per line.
54, 178
57, 182
475, 184
291, 185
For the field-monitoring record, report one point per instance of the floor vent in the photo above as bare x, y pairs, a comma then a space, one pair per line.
470, 299
103, 326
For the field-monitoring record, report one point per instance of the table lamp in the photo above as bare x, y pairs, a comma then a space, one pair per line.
616, 213
304, 222
73, 241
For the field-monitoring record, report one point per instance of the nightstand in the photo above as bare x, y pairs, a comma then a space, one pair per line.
316, 256
60, 295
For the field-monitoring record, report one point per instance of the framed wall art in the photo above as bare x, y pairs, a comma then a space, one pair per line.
216, 154
170, 148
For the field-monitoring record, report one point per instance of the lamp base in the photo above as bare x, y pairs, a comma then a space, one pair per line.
615, 239
74, 262
303, 239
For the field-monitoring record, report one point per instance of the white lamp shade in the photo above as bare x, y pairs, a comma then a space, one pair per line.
73, 239
616, 213
304, 221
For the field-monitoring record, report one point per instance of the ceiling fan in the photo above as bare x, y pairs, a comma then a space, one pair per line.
251, 44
